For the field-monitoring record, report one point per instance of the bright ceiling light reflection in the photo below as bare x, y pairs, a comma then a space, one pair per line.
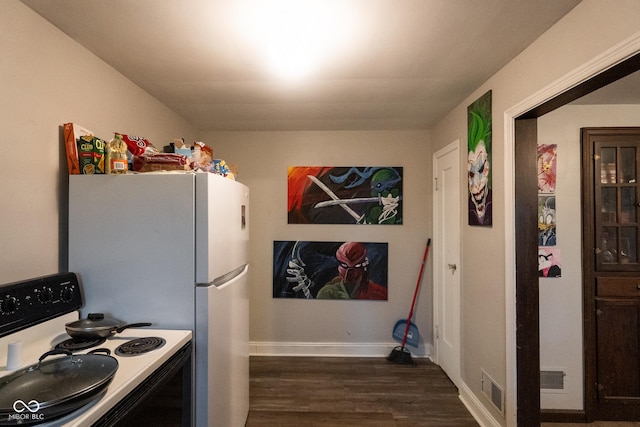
296, 36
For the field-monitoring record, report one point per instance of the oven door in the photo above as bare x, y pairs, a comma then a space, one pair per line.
155, 396
222, 351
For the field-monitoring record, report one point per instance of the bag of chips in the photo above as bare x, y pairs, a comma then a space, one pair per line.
138, 145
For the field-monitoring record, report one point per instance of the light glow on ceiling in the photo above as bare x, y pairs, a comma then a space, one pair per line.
296, 37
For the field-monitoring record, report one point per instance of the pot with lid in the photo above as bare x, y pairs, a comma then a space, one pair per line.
54, 387
96, 325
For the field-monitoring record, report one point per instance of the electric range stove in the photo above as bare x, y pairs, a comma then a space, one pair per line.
33, 315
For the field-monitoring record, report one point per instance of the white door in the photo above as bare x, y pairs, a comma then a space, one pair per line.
446, 259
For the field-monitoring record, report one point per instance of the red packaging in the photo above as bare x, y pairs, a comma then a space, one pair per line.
137, 145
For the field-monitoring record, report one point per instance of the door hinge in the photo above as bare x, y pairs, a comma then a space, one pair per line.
437, 332
436, 179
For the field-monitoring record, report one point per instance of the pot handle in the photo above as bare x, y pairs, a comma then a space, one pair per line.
51, 353
132, 325
54, 351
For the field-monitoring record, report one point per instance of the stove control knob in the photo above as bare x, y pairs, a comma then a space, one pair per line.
9, 305
45, 296
67, 294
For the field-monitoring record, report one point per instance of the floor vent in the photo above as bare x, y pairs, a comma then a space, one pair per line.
493, 392
552, 380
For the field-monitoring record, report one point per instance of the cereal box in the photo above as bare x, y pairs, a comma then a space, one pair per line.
72, 134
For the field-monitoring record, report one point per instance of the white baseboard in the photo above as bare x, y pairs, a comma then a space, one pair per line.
259, 348
476, 408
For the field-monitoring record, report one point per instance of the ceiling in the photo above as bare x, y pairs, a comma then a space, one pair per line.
391, 64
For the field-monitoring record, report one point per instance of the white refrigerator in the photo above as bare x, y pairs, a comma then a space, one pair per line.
172, 249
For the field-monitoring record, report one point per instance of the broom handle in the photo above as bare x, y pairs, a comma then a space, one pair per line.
415, 293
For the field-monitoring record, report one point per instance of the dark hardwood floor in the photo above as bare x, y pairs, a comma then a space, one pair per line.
330, 391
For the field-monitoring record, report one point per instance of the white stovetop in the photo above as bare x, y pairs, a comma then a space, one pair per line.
131, 370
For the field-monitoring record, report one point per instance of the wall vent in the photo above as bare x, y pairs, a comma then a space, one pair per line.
492, 391
552, 379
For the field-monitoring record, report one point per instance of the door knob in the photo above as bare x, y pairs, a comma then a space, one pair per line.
452, 267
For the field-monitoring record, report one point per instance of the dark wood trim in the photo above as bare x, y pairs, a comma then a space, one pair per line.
527, 294
527, 316
562, 416
618, 71
588, 261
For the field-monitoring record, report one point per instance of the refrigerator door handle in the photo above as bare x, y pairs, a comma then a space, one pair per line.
226, 279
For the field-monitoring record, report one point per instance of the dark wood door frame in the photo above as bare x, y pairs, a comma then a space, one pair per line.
526, 196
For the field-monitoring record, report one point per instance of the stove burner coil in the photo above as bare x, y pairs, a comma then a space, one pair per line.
140, 346
78, 344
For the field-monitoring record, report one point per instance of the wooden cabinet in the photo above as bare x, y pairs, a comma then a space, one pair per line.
616, 201
611, 196
617, 321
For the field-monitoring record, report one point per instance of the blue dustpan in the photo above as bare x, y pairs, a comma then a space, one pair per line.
400, 328
413, 336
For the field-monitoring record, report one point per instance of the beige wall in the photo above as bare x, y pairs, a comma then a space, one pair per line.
561, 298
46, 80
280, 326
588, 31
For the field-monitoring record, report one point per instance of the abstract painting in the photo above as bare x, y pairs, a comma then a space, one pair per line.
330, 270
344, 195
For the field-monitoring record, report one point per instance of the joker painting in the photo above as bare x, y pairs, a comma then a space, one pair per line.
479, 161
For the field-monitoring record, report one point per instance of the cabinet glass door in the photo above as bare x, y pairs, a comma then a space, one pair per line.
616, 197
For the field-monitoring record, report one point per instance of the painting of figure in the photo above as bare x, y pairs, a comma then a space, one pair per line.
547, 154
549, 262
546, 220
479, 161
330, 270
344, 195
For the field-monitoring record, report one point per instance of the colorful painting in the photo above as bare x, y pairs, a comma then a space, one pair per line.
330, 270
345, 195
547, 154
546, 220
549, 262
479, 161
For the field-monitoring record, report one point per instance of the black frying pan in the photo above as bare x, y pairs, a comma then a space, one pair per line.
98, 326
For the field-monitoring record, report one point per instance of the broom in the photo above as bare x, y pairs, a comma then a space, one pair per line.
401, 354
